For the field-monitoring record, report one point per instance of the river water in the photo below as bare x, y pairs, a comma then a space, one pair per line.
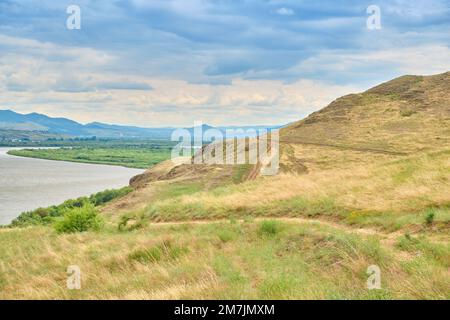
27, 184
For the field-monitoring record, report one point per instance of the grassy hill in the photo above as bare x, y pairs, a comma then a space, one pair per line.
405, 115
365, 181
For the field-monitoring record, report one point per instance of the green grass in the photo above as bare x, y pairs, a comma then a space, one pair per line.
439, 252
227, 260
241, 172
269, 228
174, 209
131, 157
174, 190
226, 235
165, 250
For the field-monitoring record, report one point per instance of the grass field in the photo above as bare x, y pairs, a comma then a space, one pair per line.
140, 157
245, 259
288, 237
389, 195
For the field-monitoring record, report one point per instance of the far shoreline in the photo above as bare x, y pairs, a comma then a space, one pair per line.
140, 157
65, 160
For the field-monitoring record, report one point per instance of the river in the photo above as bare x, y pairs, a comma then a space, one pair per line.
27, 183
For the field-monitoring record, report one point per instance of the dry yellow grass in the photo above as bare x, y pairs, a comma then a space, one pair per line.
397, 185
406, 115
224, 260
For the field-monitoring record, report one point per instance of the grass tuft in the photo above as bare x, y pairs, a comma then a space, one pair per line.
165, 250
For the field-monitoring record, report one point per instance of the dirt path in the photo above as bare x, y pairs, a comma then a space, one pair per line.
340, 226
360, 149
386, 239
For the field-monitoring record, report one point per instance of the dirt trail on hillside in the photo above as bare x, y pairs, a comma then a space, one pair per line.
335, 225
352, 148
386, 239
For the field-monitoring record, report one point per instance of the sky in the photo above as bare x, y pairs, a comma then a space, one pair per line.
161, 63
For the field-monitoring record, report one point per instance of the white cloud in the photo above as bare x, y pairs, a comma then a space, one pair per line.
420, 60
75, 82
30, 48
184, 7
175, 102
285, 11
418, 9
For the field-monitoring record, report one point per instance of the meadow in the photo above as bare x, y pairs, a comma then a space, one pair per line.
285, 237
132, 157
234, 259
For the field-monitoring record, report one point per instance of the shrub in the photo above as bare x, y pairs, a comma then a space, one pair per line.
226, 235
269, 228
429, 218
79, 219
131, 222
46, 215
36, 217
108, 195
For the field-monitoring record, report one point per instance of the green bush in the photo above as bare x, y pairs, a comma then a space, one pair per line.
108, 195
226, 235
79, 219
429, 218
131, 222
44, 216
269, 228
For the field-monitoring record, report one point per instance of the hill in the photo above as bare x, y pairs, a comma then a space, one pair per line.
407, 115
397, 130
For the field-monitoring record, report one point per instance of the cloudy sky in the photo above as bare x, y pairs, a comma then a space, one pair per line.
172, 62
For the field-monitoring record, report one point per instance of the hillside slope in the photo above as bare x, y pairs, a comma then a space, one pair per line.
405, 116
389, 144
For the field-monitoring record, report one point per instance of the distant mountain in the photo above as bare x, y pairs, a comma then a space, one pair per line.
39, 122
116, 131
10, 120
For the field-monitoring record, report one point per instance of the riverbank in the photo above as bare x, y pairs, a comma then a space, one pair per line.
138, 158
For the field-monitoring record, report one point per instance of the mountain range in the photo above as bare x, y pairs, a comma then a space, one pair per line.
35, 122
